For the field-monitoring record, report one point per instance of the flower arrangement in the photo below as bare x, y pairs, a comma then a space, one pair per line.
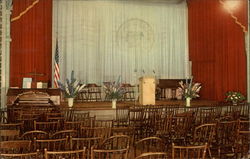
234, 97
114, 90
72, 87
190, 90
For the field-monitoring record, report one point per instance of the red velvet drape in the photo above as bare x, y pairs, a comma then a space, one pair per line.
217, 48
31, 35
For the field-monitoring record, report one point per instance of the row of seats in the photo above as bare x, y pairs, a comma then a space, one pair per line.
111, 148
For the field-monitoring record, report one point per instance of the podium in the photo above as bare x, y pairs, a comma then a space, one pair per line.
147, 90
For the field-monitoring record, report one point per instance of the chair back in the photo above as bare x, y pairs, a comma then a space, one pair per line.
31, 155
149, 144
89, 132
80, 116
31, 135
204, 133
122, 116
152, 155
15, 146
6, 135
244, 125
12, 126
76, 154
63, 134
47, 126
115, 142
80, 143
242, 144
190, 152
103, 123
52, 144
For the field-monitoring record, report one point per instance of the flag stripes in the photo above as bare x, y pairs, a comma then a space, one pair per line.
56, 69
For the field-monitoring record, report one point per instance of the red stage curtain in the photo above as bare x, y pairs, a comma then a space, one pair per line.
30, 50
217, 48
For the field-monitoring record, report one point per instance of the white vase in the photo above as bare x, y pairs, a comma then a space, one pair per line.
188, 99
70, 102
114, 103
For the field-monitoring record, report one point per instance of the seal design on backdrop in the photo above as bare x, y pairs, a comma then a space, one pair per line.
135, 33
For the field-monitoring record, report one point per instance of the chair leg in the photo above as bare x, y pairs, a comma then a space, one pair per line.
209, 152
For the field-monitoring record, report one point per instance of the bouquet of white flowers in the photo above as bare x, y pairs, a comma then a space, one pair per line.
114, 90
72, 87
190, 90
234, 97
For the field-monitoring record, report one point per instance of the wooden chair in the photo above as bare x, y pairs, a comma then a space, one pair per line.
244, 125
75, 125
242, 144
204, 133
15, 146
63, 134
47, 126
149, 144
136, 120
31, 155
52, 144
207, 115
76, 154
153, 155
94, 92
113, 147
31, 135
181, 127
103, 123
190, 152
225, 138
109, 154
67, 113
163, 128
116, 142
121, 117
89, 132
12, 126
80, 116
129, 94
7, 135
54, 116
129, 131
28, 121
80, 143
83, 95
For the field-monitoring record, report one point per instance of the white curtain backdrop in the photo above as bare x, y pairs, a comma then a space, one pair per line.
101, 40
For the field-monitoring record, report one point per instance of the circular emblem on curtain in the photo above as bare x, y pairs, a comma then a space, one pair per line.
135, 33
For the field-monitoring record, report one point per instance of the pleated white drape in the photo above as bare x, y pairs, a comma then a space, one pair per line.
101, 40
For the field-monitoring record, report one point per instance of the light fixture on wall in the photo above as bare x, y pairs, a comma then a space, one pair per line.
232, 4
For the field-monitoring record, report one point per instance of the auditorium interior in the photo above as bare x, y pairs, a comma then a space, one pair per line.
124, 79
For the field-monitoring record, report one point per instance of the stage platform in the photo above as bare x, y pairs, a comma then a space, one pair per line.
104, 105
103, 110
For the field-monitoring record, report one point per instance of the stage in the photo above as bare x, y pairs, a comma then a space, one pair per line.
105, 105
103, 110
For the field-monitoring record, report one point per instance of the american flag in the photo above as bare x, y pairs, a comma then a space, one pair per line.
57, 70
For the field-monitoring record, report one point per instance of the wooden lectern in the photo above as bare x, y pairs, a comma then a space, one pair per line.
147, 90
